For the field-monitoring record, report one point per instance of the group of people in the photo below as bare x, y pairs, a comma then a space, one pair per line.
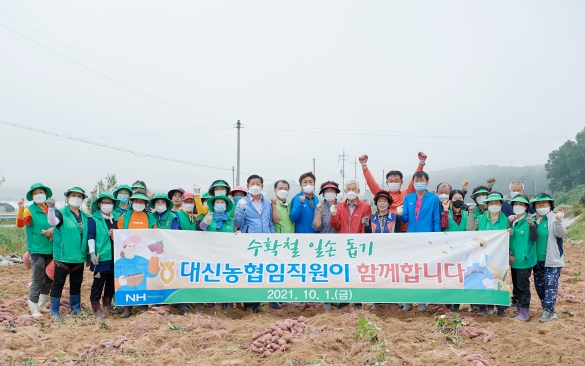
68, 236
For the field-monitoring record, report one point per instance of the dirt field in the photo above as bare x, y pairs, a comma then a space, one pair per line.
215, 337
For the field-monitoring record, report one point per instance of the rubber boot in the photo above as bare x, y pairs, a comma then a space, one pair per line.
107, 302
518, 308
523, 314
143, 309
42, 302
75, 303
55, 304
34, 309
95, 306
127, 312
275, 305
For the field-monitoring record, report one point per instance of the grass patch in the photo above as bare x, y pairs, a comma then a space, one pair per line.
577, 230
12, 240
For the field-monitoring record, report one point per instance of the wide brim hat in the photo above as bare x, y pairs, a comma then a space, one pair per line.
494, 197
139, 196
240, 189
172, 191
520, 199
228, 206
75, 190
138, 185
329, 184
161, 196
479, 191
219, 183
205, 196
121, 187
383, 194
541, 198
48, 190
94, 205
188, 195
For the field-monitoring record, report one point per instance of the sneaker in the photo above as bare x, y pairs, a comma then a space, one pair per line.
275, 305
471, 308
502, 313
483, 311
554, 316
182, 308
406, 307
327, 306
375, 306
546, 316
490, 310
422, 307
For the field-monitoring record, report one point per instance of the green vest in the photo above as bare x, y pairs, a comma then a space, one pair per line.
485, 222
103, 244
453, 224
68, 245
127, 217
166, 220
185, 223
37, 243
117, 212
285, 226
227, 227
542, 239
520, 245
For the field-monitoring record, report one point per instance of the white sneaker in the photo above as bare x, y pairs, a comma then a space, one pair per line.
406, 307
422, 307
34, 309
490, 310
42, 302
471, 308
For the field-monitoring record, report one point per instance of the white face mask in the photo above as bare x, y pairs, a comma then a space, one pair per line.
543, 211
160, 208
106, 208
308, 189
480, 199
282, 194
443, 197
351, 195
75, 201
255, 190
495, 208
221, 192
188, 207
519, 210
138, 207
393, 187
330, 196
39, 198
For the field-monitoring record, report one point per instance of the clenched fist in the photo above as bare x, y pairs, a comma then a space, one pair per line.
320, 206
51, 202
333, 210
301, 198
21, 203
400, 210
196, 190
422, 157
363, 160
464, 185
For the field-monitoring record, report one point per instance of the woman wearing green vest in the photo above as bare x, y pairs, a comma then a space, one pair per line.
101, 247
453, 217
479, 195
188, 219
69, 249
492, 219
218, 219
165, 218
523, 247
122, 194
38, 243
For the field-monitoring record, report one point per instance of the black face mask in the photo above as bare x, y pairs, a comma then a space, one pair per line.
458, 204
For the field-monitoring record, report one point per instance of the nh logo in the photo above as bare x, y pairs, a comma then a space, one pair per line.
135, 297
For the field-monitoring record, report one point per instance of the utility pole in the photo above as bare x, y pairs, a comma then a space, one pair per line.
534, 186
342, 157
238, 126
233, 176
383, 179
314, 171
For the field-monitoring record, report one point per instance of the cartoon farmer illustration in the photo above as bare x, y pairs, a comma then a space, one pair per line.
132, 270
478, 276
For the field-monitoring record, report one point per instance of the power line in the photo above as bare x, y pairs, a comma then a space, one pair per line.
138, 154
271, 150
111, 68
115, 81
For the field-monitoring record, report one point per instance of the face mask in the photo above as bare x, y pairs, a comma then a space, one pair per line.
219, 207
542, 211
480, 200
393, 187
138, 207
75, 201
330, 196
255, 190
518, 209
351, 195
419, 187
458, 204
514, 194
123, 198
39, 198
237, 198
188, 207
160, 208
282, 194
495, 208
443, 197
221, 192
308, 189
106, 208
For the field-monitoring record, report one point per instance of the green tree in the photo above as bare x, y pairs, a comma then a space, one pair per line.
111, 182
566, 166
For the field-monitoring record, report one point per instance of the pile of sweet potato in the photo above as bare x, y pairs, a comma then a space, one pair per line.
278, 336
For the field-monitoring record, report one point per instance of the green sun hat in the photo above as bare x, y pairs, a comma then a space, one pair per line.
161, 196
94, 205
494, 197
520, 199
48, 190
138, 185
121, 187
218, 183
229, 204
76, 190
205, 196
139, 196
479, 191
542, 198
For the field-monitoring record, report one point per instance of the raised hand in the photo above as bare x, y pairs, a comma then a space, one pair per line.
399, 210
301, 198
422, 158
465, 185
363, 160
21, 203
446, 205
491, 182
242, 204
320, 206
196, 190
560, 214
51, 202
333, 210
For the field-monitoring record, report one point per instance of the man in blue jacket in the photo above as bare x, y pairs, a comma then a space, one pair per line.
303, 205
254, 215
422, 211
